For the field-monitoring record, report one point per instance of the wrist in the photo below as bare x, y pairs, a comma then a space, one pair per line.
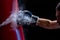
35, 19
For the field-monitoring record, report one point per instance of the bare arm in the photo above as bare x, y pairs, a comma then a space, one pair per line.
46, 23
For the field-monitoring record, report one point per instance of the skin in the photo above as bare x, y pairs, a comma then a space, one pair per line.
58, 16
49, 24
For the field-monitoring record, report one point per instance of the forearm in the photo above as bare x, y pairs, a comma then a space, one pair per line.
43, 22
47, 24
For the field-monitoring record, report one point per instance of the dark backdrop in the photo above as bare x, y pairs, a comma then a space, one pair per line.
43, 9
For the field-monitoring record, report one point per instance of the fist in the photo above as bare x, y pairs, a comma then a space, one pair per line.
24, 17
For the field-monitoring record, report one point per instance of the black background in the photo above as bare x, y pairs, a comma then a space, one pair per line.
43, 9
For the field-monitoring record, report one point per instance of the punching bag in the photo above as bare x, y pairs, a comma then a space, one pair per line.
6, 32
